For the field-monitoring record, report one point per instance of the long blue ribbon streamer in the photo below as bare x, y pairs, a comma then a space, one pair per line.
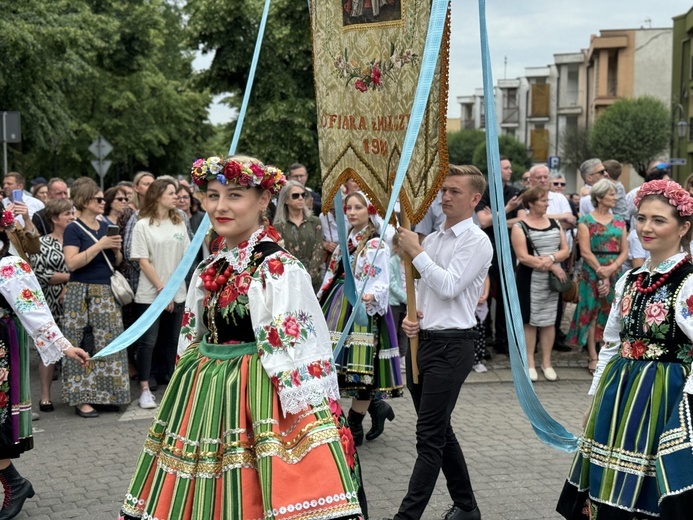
434, 37
135, 331
546, 428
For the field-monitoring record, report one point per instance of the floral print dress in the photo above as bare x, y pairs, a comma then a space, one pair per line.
605, 243
634, 457
22, 308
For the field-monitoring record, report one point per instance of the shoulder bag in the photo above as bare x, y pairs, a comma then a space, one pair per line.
555, 284
122, 292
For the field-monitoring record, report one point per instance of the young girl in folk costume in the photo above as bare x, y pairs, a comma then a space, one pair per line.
369, 364
249, 426
635, 458
22, 308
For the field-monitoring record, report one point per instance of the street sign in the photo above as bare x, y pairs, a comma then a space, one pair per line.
554, 162
11, 128
678, 162
101, 167
100, 148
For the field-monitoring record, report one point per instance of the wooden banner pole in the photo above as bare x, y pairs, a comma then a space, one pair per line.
411, 302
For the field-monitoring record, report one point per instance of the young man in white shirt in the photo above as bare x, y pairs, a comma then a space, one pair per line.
453, 263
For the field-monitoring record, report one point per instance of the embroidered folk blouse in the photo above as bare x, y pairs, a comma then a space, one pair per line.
20, 294
293, 341
654, 314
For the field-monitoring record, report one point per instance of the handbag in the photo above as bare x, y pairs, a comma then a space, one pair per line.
122, 292
555, 283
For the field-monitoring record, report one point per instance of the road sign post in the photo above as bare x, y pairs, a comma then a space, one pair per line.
101, 148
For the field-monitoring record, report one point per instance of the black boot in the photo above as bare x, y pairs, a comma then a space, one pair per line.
355, 423
379, 411
17, 490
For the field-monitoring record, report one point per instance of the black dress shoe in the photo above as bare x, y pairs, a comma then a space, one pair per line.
46, 407
456, 513
561, 347
86, 415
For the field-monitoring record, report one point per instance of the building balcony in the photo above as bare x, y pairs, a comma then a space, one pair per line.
572, 110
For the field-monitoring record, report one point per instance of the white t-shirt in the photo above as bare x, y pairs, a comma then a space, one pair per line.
163, 244
558, 204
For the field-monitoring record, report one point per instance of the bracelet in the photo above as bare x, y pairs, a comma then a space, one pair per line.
553, 258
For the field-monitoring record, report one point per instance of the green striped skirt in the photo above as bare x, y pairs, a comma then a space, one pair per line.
221, 448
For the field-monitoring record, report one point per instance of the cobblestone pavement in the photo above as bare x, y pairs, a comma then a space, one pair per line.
80, 468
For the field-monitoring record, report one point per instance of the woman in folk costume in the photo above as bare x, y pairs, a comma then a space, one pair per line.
635, 458
249, 426
369, 364
22, 308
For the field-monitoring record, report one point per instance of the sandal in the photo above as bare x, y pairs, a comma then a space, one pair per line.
592, 365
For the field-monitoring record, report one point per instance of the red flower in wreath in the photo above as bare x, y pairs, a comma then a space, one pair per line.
3, 399
273, 337
228, 295
276, 267
232, 170
371, 210
638, 348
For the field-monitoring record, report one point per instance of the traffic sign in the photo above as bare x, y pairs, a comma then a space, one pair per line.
678, 162
101, 167
554, 162
11, 128
100, 148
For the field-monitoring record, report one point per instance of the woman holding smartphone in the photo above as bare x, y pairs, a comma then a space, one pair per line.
159, 241
92, 318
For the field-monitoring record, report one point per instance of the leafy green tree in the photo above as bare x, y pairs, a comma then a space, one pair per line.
281, 123
461, 145
509, 147
575, 148
632, 131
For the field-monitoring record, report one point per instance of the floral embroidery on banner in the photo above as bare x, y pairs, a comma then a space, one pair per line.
370, 75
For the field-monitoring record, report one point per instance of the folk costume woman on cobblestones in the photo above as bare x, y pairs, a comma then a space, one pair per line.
369, 364
22, 308
249, 426
635, 458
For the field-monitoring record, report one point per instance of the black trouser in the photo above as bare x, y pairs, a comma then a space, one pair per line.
443, 366
164, 332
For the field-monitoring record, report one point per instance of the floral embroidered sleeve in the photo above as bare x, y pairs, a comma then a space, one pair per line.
374, 272
292, 337
21, 289
684, 319
192, 327
612, 332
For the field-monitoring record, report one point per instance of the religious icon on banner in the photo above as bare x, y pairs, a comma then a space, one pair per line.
371, 11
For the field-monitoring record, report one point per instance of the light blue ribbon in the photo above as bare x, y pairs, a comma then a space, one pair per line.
135, 331
546, 428
434, 37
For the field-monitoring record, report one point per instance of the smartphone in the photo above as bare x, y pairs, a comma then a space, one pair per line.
17, 196
112, 231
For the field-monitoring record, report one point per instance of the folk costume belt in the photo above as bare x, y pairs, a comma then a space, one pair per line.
448, 334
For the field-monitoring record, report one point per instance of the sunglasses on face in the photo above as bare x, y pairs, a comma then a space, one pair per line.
559, 183
296, 196
600, 172
100, 200
121, 199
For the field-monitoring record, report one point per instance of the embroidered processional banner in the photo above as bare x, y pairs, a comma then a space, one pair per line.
367, 59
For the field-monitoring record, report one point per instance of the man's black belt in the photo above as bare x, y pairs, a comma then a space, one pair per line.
448, 334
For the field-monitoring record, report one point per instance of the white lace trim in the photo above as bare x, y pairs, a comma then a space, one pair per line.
388, 353
310, 393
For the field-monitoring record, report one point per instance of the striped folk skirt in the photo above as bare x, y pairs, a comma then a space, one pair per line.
635, 459
220, 448
15, 393
368, 366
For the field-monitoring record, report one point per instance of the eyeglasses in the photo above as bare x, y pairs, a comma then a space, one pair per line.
100, 200
121, 199
183, 197
296, 196
559, 183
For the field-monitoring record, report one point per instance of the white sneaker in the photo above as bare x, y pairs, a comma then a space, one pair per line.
147, 400
480, 368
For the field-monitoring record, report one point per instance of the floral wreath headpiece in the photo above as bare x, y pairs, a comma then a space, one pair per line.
7, 219
249, 174
672, 191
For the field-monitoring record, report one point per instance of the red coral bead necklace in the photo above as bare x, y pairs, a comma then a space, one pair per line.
652, 288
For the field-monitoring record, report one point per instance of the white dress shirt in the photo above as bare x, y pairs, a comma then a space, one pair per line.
453, 268
558, 204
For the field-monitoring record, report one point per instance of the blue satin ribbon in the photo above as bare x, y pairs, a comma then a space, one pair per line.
547, 429
135, 331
